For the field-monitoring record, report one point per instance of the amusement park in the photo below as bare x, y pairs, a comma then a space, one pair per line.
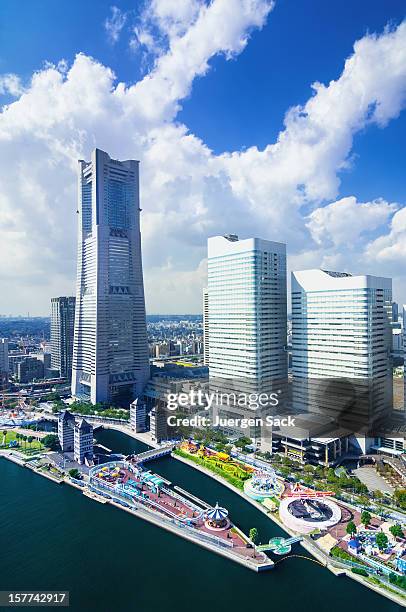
132, 486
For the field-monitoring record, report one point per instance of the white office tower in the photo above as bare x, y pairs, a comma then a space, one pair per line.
205, 327
247, 316
341, 346
110, 356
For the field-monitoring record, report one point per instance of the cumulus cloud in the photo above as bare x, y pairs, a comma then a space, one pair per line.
282, 192
10, 84
342, 223
115, 23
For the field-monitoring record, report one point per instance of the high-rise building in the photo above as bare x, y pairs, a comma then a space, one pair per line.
247, 316
206, 327
4, 364
62, 327
110, 355
83, 442
341, 346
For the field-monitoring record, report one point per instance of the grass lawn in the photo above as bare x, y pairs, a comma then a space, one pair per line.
22, 446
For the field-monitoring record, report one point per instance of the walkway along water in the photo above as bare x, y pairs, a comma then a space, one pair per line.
55, 538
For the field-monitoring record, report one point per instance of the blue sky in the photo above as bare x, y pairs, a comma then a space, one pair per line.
232, 106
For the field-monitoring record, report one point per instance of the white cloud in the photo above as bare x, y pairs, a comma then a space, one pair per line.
343, 222
187, 192
10, 84
115, 23
391, 248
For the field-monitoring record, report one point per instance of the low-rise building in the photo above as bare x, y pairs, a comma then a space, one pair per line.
29, 369
66, 424
83, 442
138, 415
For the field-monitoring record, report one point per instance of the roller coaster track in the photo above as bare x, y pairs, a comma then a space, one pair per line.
300, 557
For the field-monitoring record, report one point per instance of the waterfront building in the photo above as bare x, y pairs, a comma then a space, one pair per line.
4, 362
110, 354
341, 346
62, 330
66, 424
158, 424
206, 327
138, 415
247, 319
83, 442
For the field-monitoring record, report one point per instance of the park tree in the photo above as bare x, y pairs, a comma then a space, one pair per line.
253, 535
400, 498
30, 440
242, 442
381, 540
365, 518
351, 528
378, 494
319, 472
397, 531
4, 437
51, 441
308, 469
331, 477
74, 473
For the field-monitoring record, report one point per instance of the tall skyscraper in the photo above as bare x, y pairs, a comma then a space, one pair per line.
247, 316
4, 365
341, 345
62, 328
205, 327
110, 355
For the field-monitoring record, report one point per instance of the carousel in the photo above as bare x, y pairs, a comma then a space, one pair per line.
216, 518
263, 484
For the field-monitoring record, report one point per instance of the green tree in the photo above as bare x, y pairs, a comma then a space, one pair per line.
381, 540
319, 472
24, 438
308, 469
397, 531
331, 477
351, 529
365, 518
30, 440
242, 442
253, 535
400, 498
51, 441
4, 437
74, 473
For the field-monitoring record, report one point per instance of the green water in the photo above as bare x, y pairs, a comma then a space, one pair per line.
52, 537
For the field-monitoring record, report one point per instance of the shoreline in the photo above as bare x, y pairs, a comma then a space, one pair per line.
311, 548
157, 521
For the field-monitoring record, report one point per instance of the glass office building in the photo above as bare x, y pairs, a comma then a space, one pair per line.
341, 346
110, 358
246, 315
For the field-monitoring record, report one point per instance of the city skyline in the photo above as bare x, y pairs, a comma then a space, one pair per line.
319, 166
